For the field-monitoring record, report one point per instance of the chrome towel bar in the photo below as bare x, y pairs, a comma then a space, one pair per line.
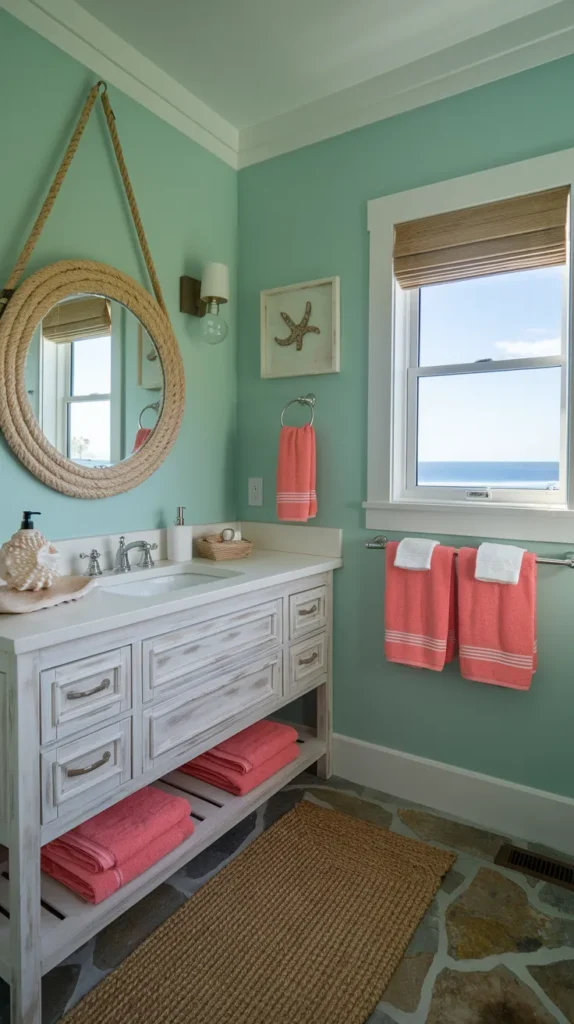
379, 543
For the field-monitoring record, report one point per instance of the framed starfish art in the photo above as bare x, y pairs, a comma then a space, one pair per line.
300, 329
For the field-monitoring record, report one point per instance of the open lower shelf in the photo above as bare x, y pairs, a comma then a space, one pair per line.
67, 921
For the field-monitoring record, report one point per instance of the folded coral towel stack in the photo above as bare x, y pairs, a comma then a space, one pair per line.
244, 761
98, 857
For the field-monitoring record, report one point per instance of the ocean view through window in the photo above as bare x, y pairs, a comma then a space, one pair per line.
486, 383
539, 475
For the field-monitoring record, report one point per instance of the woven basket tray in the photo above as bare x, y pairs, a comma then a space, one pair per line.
220, 550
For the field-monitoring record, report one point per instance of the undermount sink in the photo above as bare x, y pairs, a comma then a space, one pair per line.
164, 584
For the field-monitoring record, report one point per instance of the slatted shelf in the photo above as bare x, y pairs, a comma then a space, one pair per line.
67, 921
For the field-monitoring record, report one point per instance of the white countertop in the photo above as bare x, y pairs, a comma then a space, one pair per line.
101, 609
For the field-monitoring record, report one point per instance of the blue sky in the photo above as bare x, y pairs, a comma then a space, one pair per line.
510, 416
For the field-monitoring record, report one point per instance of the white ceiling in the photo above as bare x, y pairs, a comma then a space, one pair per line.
251, 60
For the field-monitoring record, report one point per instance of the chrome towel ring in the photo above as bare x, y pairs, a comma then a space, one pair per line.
302, 400
152, 405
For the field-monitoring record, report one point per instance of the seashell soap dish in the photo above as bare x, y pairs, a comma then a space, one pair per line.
29, 566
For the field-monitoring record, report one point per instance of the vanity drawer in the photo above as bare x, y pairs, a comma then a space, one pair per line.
81, 772
307, 612
179, 721
170, 659
307, 660
84, 693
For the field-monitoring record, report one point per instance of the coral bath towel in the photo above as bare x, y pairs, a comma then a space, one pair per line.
236, 782
497, 625
420, 611
250, 747
118, 834
296, 474
95, 886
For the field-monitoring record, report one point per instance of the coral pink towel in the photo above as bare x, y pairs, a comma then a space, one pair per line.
95, 886
420, 611
296, 474
239, 783
250, 747
497, 625
118, 834
141, 437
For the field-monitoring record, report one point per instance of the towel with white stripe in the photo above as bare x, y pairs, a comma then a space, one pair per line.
420, 610
497, 624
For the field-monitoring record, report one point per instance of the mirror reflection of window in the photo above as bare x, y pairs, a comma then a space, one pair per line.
76, 392
88, 432
94, 380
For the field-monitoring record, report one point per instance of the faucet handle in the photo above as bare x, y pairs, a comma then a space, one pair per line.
93, 564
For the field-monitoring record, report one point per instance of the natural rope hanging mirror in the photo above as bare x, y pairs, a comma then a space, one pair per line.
50, 439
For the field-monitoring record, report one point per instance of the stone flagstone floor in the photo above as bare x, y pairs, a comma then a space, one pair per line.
494, 948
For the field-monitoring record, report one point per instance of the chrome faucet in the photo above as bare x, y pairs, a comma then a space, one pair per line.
122, 560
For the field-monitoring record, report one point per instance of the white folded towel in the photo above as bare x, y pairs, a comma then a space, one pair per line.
415, 553
498, 563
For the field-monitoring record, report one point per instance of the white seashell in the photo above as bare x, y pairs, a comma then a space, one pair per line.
28, 561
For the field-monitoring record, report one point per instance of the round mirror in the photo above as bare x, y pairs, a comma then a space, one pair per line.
94, 379
92, 384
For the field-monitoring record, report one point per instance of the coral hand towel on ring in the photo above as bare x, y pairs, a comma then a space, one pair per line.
296, 475
420, 611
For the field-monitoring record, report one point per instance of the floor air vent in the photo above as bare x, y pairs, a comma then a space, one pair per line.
554, 871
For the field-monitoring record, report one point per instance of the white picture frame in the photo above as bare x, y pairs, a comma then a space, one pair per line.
313, 350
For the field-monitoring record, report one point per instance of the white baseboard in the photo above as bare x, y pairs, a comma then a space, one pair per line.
495, 804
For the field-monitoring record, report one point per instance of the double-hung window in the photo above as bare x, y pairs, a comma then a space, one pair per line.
76, 361
469, 370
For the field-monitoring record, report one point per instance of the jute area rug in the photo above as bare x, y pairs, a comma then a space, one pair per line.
306, 926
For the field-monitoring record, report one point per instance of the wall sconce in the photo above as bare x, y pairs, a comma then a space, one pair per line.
203, 299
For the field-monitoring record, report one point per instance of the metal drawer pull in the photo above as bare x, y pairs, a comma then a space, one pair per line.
74, 695
309, 661
72, 772
308, 611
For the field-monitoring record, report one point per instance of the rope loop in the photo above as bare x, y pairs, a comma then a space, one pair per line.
22, 261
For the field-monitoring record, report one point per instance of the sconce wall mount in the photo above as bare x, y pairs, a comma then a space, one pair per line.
203, 299
190, 300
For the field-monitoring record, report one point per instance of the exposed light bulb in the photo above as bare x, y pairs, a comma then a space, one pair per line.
213, 328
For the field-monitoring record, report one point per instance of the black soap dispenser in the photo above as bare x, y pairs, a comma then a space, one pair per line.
27, 521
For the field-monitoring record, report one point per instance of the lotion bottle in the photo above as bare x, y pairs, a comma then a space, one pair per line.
179, 539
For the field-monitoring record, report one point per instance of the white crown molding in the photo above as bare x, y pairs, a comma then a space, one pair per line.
516, 46
72, 29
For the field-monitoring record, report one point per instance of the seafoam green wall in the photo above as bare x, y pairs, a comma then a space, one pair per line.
304, 216
188, 202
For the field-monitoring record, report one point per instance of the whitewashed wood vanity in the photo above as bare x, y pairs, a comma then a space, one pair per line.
101, 698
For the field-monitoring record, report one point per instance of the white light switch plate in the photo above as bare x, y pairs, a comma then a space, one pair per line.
255, 490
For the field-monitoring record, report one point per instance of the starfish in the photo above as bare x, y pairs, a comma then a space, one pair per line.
298, 331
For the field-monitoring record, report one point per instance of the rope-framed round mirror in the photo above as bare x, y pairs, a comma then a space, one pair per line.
92, 383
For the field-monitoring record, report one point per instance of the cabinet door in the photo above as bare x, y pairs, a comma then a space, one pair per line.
80, 772
181, 720
307, 612
85, 692
307, 661
172, 660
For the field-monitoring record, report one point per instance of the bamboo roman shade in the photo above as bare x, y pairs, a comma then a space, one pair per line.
513, 234
87, 317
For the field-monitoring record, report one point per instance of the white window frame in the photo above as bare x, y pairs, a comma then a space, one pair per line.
391, 503
57, 397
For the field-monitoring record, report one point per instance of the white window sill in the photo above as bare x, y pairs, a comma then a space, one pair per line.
505, 522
